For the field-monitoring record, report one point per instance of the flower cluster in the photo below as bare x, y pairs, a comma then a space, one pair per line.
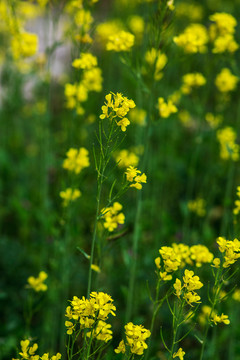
117, 106
37, 284
192, 80
121, 41
193, 39
126, 158
113, 217
91, 314
191, 283
178, 255
136, 177
220, 319
76, 160
69, 195
222, 31
230, 249
229, 149
28, 352
91, 80
225, 81
200, 255
24, 44
171, 262
136, 336
180, 353
86, 61
236, 210
166, 108
156, 60
213, 120
197, 206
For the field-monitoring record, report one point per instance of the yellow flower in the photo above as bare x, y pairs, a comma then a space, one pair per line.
121, 41
180, 353
192, 80
37, 284
226, 81
154, 57
24, 45
229, 149
132, 176
178, 287
113, 217
69, 195
197, 206
166, 108
76, 160
121, 348
193, 39
126, 158
220, 319
123, 123
136, 336
95, 268
86, 61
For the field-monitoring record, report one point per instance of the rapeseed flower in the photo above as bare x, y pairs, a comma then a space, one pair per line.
225, 81
122, 41
37, 284
229, 149
136, 336
134, 175
69, 195
220, 319
76, 160
166, 108
194, 39
113, 217
180, 353
117, 105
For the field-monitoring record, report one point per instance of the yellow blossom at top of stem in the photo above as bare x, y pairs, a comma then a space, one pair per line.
225, 81
192, 80
136, 25
236, 210
37, 284
122, 41
24, 45
69, 195
166, 108
213, 120
136, 336
180, 353
220, 319
194, 39
117, 105
106, 29
225, 23
138, 116
76, 160
86, 61
191, 283
236, 295
87, 311
26, 351
126, 158
113, 217
101, 332
231, 250
154, 57
134, 175
197, 206
229, 149
121, 348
